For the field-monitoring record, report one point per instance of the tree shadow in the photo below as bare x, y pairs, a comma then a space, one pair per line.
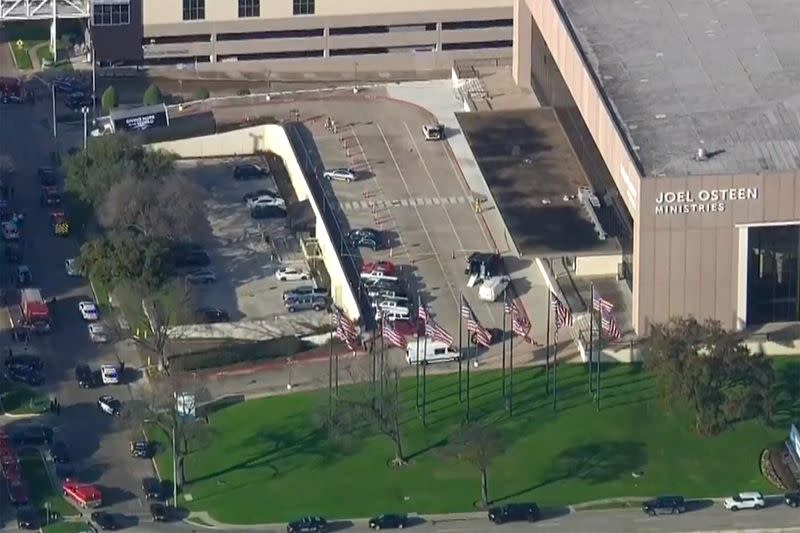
594, 464
788, 396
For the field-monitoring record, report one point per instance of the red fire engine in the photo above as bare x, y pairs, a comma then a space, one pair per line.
82, 494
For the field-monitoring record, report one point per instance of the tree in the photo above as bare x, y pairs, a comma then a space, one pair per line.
182, 429
109, 100
478, 445
152, 96
171, 306
706, 368
125, 256
201, 93
108, 161
168, 209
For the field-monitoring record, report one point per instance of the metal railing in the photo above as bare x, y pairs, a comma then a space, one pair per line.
11, 10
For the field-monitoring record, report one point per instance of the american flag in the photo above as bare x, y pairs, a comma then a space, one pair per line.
601, 304
392, 336
422, 313
563, 314
436, 332
345, 330
609, 325
520, 324
482, 335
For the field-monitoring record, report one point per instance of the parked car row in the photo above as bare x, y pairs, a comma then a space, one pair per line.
25, 369
304, 298
387, 295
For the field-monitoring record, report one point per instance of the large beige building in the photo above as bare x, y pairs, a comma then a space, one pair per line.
686, 114
303, 34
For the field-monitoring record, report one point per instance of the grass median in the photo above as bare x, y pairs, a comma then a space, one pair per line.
42, 492
270, 450
18, 399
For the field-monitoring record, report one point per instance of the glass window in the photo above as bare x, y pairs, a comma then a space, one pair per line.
772, 274
249, 8
194, 9
111, 12
303, 7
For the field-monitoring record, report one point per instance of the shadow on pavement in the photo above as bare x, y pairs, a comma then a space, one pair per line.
115, 495
551, 513
698, 505
339, 525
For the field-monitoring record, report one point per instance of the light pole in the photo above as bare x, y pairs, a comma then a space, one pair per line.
85, 111
53, 99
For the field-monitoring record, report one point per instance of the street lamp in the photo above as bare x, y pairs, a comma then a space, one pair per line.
85, 110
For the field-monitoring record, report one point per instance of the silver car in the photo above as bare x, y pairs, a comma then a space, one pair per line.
202, 275
340, 174
304, 303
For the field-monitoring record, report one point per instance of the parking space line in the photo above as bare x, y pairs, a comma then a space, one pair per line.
436, 189
419, 216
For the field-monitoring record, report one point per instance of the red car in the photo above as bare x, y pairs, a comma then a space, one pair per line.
379, 266
82, 494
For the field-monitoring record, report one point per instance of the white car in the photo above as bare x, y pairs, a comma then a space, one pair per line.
265, 199
340, 174
98, 333
109, 405
88, 311
71, 266
10, 231
292, 274
109, 374
745, 500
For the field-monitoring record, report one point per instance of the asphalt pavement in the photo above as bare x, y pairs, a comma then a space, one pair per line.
98, 443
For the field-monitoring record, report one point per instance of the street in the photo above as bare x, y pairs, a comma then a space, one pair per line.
98, 444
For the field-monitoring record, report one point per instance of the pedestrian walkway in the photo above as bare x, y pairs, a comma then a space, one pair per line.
528, 280
364, 205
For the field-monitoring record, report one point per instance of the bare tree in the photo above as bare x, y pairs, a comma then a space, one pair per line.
166, 309
478, 445
169, 208
172, 406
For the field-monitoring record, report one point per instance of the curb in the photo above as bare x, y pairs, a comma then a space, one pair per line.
271, 365
31, 415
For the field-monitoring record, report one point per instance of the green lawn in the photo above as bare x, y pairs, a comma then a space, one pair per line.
67, 527
20, 400
268, 450
21, 57
41, 489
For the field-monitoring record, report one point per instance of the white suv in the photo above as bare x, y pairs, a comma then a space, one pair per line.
745, 500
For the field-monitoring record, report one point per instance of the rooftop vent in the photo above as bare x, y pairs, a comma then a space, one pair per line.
701, 155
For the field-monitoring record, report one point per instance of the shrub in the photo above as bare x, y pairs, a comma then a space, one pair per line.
152, 95
237, 352
110, 99
201, 93
243, 92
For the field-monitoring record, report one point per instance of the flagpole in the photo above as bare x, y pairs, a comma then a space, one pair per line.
591, 336
419, 306
469, 351
505, 307
460, 346
597, 358
511, 375
555, 374
547, 344
330, 378
424, 378
374, 355
380, 369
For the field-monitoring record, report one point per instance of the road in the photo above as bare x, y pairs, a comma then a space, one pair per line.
98, 443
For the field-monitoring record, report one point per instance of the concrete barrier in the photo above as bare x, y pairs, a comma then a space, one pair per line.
274, 138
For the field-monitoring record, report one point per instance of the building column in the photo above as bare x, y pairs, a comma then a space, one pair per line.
326, 33
439, 36
741, 284
213, 57
521, 61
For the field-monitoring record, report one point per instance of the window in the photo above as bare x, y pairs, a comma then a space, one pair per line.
194, 9
249, 8
303, 7
111, 12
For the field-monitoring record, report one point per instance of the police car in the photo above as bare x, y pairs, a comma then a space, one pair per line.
109, 405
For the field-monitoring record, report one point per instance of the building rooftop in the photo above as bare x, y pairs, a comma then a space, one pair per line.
534, 178
686, 74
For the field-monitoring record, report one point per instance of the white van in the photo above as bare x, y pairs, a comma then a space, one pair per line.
385, 305
377, 275
493, 287
393, 314
430, 352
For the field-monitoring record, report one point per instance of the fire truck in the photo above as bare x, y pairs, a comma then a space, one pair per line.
60, 223
50, 197
82, 494
35, 312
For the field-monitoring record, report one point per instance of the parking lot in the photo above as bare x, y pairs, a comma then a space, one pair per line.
408, 188
243, 261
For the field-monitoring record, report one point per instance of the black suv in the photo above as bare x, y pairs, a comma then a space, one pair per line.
84, 376
28, 376
250, 171
33, 435
28, 518
105, 520
388, 521
190, 255
151, 488
514, 512
211, 315
142, 449
307, 523
792, 499
47, 176
665, 505
27, 362
59, 453
159, 512
366, 238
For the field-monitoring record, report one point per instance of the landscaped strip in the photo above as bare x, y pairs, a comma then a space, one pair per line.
18, 400
42, 493
272, 450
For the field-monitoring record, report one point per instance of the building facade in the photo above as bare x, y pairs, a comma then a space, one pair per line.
302, 34
719, 244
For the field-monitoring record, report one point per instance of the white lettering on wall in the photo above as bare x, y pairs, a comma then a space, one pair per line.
704, 201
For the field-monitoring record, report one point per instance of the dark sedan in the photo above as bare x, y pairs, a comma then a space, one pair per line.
514, 512
211, 315
792, 499
33, 435
159, 512
366, 238
59, 453
28, 376
151, 488
24, 361
105, 520
307, 524
388, 521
